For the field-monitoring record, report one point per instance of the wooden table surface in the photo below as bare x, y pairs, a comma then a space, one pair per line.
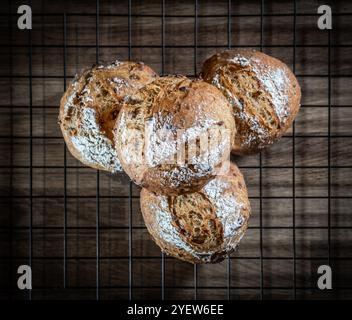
32, 157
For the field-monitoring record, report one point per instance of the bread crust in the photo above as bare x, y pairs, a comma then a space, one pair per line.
90, 106
263, 92
148, 134
202, 227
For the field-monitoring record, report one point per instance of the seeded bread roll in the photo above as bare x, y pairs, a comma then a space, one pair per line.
90, 106
201, 227
263, 92
174, 135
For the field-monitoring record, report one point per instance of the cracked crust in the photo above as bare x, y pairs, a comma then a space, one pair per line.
90, 106
263, 92
201, 227
168, 115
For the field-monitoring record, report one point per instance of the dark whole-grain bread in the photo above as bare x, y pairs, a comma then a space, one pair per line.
201, 227
263, 92
174, 135
90, 106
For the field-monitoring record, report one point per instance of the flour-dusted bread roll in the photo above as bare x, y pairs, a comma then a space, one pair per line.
263, 92
201, 227
90, 106
174, 135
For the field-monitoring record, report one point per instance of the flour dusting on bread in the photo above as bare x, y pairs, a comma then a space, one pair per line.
202, 227
90, 107
263, 92
161, 132
94, 147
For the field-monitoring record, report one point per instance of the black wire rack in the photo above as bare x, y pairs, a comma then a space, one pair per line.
287, 288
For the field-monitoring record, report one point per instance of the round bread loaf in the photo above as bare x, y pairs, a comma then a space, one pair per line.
174, 135
90, 106
201, 227
263, 92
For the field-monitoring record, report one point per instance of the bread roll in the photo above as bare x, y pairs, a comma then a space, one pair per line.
90, 106
263, 92
174, 134
201, 227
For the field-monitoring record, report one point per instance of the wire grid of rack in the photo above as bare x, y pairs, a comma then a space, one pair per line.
228, 289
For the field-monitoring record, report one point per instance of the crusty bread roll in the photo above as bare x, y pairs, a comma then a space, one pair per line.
201, 227
174, 134
90, 106
263, 92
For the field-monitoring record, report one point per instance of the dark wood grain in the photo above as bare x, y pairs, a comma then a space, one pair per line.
311, 154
